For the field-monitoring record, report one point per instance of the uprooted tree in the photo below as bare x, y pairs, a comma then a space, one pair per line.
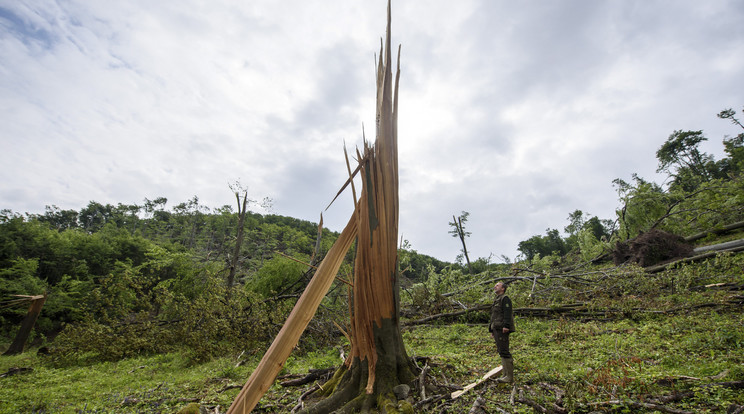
378, 361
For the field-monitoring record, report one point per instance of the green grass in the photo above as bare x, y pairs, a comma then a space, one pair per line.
631, 355
591, 361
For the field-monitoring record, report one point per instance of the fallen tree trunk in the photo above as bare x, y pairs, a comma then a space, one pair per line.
721, 246
445, 315
724, 229
574, 309
37, 302
708, 254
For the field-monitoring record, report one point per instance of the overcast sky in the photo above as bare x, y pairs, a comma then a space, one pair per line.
518, 112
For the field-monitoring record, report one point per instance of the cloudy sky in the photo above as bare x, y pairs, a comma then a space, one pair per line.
518, 112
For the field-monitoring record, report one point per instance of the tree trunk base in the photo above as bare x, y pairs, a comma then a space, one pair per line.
346, 391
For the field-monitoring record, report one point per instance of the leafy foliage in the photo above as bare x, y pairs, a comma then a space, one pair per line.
541, 246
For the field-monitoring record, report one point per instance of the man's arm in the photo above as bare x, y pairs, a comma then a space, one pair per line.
506, 310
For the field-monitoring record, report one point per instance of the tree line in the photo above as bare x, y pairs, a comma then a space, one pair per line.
111, 271
699, 193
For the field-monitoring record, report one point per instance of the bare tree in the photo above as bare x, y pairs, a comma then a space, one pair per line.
458, 230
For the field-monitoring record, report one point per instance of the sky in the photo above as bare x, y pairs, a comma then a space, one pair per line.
517, 112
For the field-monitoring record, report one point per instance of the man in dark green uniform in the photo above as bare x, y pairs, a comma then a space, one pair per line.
501, 326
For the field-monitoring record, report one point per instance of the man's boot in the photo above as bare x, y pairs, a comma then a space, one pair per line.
508, 365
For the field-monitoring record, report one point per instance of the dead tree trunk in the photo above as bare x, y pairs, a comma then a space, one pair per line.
37, 302
460, 230
378, 361
235, 259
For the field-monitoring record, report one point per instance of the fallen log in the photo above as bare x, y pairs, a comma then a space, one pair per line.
706, 255
722, 230
720, 246
427, 319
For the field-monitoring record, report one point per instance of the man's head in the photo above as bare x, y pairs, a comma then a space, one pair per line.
499, 288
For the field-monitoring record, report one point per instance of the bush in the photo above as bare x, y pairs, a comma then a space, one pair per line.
277, 274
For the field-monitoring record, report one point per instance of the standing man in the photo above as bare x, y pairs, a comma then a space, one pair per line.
502, 324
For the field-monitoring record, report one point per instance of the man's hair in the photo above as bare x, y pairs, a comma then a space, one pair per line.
504, 285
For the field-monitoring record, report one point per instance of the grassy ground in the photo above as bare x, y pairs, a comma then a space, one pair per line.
590, 361
663, 334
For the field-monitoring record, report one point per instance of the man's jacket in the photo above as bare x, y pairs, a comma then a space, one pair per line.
502, 314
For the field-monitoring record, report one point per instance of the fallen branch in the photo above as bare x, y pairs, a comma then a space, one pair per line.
535, 405
422, 381
554, 408
14, 371
720, 246
300, 401
559, 393
639, 405
228, 387
477, 407
431, 400
444, 315
480, 381
678, 396
313, 375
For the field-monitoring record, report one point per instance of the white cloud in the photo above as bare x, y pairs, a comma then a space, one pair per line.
519, 113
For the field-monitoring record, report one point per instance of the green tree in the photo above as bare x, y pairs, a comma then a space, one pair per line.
542, 246
579, 223
643, 203
276, 275
59, 219
734, 147
681, 158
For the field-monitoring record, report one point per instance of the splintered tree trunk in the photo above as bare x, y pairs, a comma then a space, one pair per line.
235, 259
461, 234
378, 360
37, 302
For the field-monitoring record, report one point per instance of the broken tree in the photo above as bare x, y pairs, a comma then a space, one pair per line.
378, 361
37, 302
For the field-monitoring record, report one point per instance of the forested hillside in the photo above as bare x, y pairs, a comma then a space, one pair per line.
150, 308
112, 265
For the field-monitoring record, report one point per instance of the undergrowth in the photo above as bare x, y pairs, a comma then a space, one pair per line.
627, 337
